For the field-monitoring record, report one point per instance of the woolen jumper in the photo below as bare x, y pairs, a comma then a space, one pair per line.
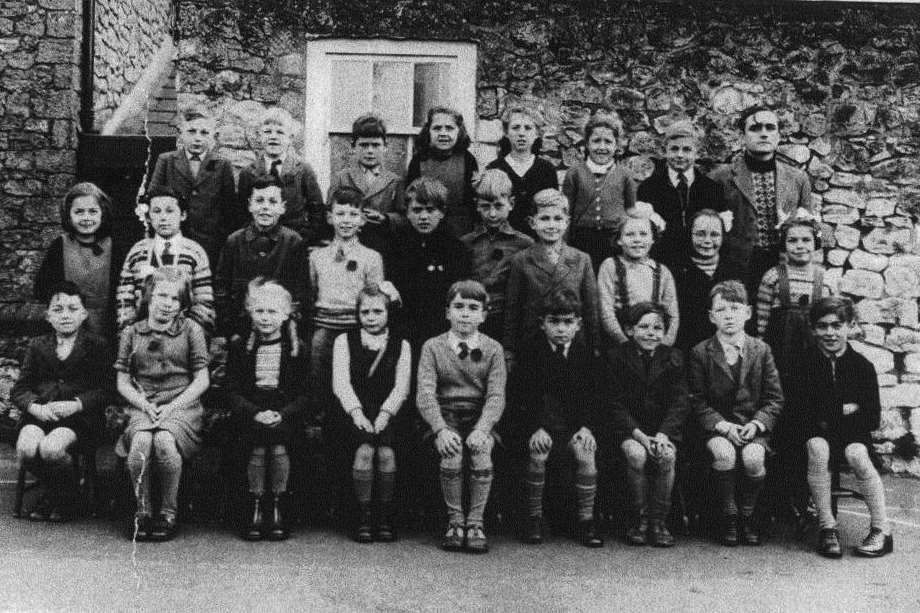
336, 284
598, 202
639, 287
541, 175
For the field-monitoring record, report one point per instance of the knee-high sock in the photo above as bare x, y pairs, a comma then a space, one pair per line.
535, 480
280, 469
725, 485
255, 471
452, 488
585, 491
386, 481
662, 485
750, 492
874, 492
363, 480
169, 469
480, 484
139, 469
819, 480
638, 484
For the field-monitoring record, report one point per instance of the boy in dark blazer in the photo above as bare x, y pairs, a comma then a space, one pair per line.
736, 397
200, 177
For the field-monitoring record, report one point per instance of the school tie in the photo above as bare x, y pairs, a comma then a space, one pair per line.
560, 351
195, 164
276, 169
167, 257
683, 190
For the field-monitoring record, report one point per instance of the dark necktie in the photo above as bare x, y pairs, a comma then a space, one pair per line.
560, 351
167, 256
276, 169
683, 191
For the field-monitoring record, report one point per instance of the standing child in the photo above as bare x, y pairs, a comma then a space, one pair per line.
62, 389
168, 247
545, 268
492, 244
198, 176
836, 394
300, 191
370, 377
519, 158
442, 153
384, 191
268, 393
556, 385
736, 396
648, 419
162, 371
86, 255
461, 395
632, 276
599, 190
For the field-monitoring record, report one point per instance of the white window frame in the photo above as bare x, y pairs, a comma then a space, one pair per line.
320, 55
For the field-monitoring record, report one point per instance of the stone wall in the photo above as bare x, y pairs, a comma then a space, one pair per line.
128, 34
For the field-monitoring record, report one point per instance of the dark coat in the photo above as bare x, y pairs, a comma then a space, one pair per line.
386, 194
673, 246
541, 175
693, 287
653, 400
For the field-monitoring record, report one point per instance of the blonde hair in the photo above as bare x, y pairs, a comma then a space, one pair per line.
279, 116
277, 292
165, 274
546, 198
494, 184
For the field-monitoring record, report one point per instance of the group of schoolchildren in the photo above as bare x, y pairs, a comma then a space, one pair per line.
393, 299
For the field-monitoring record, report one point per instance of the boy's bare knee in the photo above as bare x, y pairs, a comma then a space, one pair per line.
858, 458
30, 438
723, 453
480, 460
386, 459
364, 457
635, 454
753, 458
584, 458
454, 462
53, 451
819, 454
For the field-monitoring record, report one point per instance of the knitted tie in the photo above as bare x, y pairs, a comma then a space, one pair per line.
167, 257
276, 169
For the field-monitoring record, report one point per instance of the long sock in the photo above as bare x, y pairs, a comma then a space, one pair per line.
452, 489
725, 485
750, 492
280, 469
386, 482
585, 491
363, 480
169, 468
480, 484
662, 485
535, 480
138, 461
874, 493
255, 471
638, 482
819, 480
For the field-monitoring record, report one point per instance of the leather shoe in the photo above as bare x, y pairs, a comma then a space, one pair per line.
587, 534
453, 539
42, 510
277, 528
829, 543
659, 535
163, 529
363, 531
875, 545
254, 530
476, 541
636, 535
138, 528
534, 534
750, 536
385, 532
729, 536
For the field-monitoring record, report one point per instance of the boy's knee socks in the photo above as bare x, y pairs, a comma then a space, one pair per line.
638, 482
535, 480
874, 492
279, 471
750, 492
725, 486
386, 481
255, 472
585, 491
452, 489
662, 486
820, 483
480, 484
364, 484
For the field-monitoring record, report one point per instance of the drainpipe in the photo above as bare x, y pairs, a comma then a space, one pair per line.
87, 53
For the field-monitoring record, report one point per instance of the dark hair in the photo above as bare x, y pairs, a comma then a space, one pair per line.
368, 126
731, 291
797, 222
102, 199
604, 120
428, 191
504, 143
262, 181
636, 312
423, 140
469, 290
346, 195
68, 288
164, 191
193, 113
563, 302
840, 306
752, 110
165, 274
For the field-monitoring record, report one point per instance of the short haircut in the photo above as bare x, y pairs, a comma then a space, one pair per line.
263, 181
426, 190
468, 290
164, 191
193, 113
423, 140
269, 287
548, 197
494, 184
841, 306
752, 110
368, 126
606, 119
797, 222
346, 195
710, 213
278, 116
504, 144
68, 288
563, 302
730, 291
682, 129
102, 199
165, 274
636, 312
624, 219
372, 290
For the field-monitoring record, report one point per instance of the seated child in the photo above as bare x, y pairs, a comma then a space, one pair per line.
62, 390
544, 268
167, 247
461, 395
835, 395
303, 211
648, 419
371, 370
162, 371
264, 248
267, 391
632, 276
736, 397
384, 191
492, 244
556, 391
201, 179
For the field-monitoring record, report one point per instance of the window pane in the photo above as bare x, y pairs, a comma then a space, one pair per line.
350, 96
431, 89
393, 93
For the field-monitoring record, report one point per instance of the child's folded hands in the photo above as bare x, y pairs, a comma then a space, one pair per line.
540, 441
478, 440
361, 421
448, 443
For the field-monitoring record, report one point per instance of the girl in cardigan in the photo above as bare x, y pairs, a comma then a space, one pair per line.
268, 393
371, 372
442, 153
86, 255
519, 158
162, 371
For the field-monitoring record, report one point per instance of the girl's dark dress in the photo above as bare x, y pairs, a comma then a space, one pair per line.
693, 287
541, 175
372, 387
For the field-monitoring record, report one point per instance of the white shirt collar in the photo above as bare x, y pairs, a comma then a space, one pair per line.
374, 342
598, 169
471, 343
689, 174
565, 348
201, 156
159, 243
738, 344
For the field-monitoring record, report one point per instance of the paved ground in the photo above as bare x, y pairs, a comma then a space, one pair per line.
88, 566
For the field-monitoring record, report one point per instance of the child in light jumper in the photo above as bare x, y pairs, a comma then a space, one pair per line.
371, 371
162, 371
632, 276
267, 391
461, 396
